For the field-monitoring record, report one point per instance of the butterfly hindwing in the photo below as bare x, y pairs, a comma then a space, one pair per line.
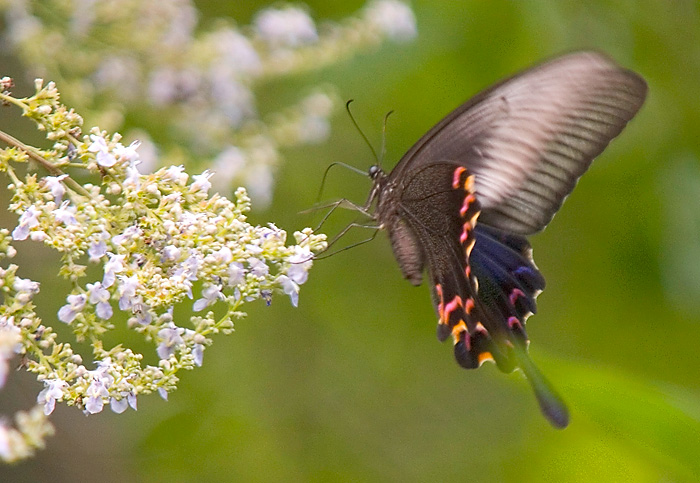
438, 211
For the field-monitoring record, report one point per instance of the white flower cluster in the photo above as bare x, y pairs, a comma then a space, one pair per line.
160, 241
155, 58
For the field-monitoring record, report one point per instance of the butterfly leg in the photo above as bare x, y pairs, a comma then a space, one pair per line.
343, 232
341, 203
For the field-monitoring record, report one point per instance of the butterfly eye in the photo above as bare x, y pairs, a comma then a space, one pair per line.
374, 171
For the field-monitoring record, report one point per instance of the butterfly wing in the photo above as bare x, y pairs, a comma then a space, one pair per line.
529, 138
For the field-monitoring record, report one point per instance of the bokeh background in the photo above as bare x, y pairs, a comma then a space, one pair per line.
353, 386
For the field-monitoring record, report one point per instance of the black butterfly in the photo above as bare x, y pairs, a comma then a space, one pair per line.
463, 199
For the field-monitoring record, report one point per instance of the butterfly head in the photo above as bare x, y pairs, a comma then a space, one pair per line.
375, 172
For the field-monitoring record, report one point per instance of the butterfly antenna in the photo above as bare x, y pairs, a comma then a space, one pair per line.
383, 151
551, 404
357, 126
325, 175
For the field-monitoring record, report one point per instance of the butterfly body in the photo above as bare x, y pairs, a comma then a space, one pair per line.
462, 200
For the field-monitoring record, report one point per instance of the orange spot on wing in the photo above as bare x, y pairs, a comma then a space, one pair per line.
469, 247
469, 183
441, 303
473, 219
458, 329
485, 356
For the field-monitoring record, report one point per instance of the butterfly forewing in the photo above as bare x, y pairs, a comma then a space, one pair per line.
528, 139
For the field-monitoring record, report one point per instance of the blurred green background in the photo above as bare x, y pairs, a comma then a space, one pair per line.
353, 386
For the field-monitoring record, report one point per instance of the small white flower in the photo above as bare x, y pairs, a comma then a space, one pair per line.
171, 252
112, 267
191, 265
25, 286
133, 176
127, 289
236, 273
201, 181
210, 295
52, 392
38, 236
272, 234
253, 249
118, 405
99, 296
130, 232
300, 263
56, 187
27, 221
76, 303
141, 311
170, 338
393, 18
258, 267
95, 394
102, 155
236, 51
290, 288
224, 255
98, 247
176, 174
65, 213
163, 393
198, 353
285, 27
127, 153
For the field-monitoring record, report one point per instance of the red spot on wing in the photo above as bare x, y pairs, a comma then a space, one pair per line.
468, 201
453, 305
514, 295
465, 233
457, 175
469, 306
514, 323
